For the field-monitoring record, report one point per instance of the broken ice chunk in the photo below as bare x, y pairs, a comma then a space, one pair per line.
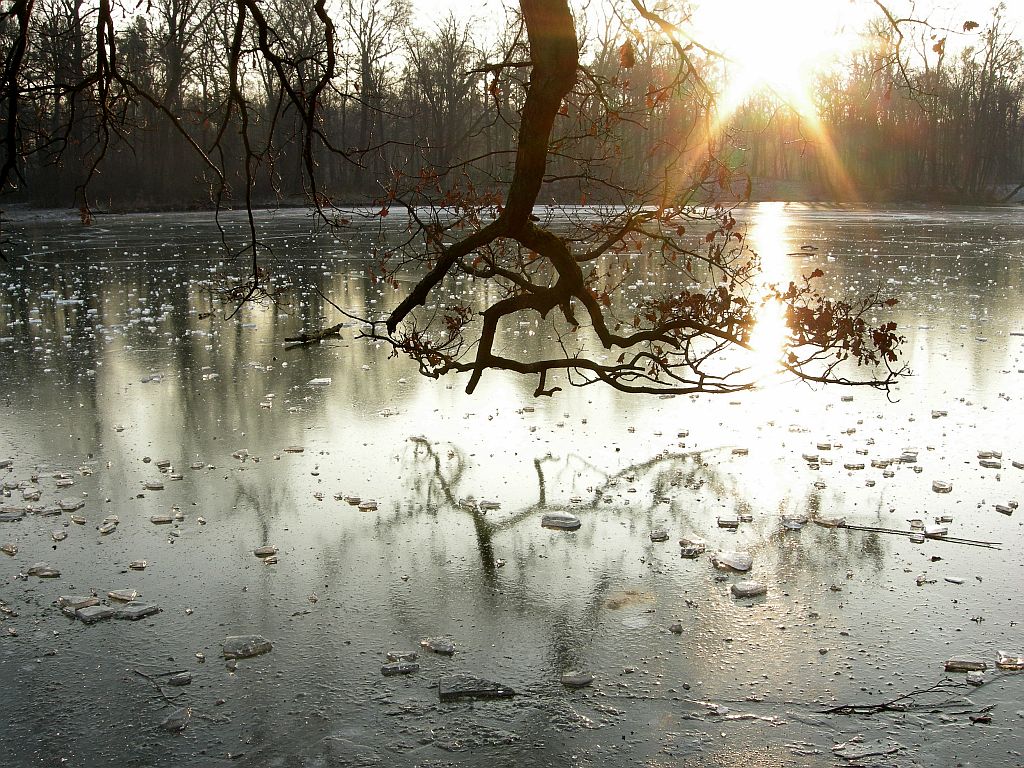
441, 645
93, 613
659, 534
1006, 661
245, 646
748, 588
74, 602
399, 668
577, 679
136, 611
561, 521
460, 686
737, 561
965, 665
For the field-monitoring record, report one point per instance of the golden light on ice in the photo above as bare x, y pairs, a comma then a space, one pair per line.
769, 232
768, 339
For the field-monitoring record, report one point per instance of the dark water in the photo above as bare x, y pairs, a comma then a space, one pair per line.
94, 311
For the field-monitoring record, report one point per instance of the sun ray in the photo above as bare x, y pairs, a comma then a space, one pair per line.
780, 47
834, 167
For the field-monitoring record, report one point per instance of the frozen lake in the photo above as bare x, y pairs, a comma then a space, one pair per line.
114, 375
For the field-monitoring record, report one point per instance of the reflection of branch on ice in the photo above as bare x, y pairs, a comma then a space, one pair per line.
661, 473
439, 471
313, 338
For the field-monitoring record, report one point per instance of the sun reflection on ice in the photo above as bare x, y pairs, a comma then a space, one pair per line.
767, 340
770, 235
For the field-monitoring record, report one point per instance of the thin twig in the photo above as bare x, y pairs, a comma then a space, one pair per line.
152, 678
899, 704
897, 532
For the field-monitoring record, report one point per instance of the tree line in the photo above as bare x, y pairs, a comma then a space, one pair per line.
416, 111
928, 122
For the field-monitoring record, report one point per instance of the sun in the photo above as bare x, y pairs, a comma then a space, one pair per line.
777, 45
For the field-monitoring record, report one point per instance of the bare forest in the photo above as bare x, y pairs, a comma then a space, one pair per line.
195, 103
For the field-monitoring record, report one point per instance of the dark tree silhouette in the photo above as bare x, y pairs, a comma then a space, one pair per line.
644, 148
678, 342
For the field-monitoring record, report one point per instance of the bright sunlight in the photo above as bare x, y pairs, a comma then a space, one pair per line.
778, 46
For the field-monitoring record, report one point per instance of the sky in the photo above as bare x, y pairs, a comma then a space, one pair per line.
939, 10
782, 44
